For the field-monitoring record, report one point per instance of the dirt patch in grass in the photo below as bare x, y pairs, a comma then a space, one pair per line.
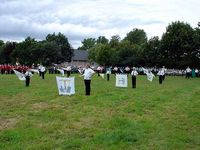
6, 123
41, 105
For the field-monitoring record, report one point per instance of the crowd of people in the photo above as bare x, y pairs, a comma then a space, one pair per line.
87, 71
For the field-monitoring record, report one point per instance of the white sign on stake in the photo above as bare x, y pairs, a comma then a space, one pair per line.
121, 80
65, 85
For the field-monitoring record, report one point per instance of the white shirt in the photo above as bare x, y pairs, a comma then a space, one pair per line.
88, 74
134, 73
161, 72
28, 73
188, 70
42, 69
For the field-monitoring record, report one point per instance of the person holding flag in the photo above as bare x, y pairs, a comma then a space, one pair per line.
28, 75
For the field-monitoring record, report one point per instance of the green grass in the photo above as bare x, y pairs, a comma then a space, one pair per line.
152, 116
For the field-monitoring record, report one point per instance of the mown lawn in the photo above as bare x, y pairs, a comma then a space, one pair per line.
152, 116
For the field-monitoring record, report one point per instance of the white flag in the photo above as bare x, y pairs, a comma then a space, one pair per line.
61, 71
34, 70
150, 76
65, 85
121, 80
20, 75
102, 75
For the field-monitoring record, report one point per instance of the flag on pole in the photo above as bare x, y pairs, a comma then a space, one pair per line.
149, 74
65, 85
102, 75
20, 75
34, 70
61, 71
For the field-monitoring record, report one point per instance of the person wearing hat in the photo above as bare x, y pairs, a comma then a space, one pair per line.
88, 72
134, 73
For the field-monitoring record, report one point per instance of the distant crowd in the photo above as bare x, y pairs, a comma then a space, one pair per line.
8, 69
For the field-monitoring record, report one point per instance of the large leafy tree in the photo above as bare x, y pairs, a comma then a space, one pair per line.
23, 51
136, 36
87, 43
177, 44
66, 51
102, 40
151, 52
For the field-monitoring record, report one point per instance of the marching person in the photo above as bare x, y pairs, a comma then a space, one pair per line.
188, 72
42, 70
160, 74
88, 72
69, 68
134, 73
163, 71
28, 75
108, 72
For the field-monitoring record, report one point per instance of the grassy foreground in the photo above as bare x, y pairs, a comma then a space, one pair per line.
152, 116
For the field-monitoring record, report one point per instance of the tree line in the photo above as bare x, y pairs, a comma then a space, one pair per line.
54, 49
178, 47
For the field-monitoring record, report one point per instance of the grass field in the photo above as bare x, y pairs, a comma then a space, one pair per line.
152, 116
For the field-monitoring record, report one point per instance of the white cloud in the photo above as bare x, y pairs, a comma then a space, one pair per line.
79, 19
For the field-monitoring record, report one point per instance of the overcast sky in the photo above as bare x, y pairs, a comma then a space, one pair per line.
79, 19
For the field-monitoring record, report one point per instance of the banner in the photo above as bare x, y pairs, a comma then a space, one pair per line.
102, 75
121, 80
20, 75
65, 85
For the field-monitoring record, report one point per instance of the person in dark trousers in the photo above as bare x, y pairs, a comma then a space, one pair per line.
88, 72
42, 71
69, 71
188, 72
160, 74
108, 72
134, 73
28, 75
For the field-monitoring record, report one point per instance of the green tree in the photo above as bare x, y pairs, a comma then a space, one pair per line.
176, 44
23, 51
151, 52
102, 40
87, 44
66, 51
136, 36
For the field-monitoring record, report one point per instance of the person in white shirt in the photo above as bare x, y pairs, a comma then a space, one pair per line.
188, 72
134, 73
69, 71
88, 72
164, 71
28, 75
197, 72
160, 74
42, 69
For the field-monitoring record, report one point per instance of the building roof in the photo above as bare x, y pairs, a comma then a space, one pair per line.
80, 55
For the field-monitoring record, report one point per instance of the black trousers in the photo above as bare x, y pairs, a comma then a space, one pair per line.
160, 79
42, 73
133, 81
187, 75
68, 73
108, 77
27, 80
87, 87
